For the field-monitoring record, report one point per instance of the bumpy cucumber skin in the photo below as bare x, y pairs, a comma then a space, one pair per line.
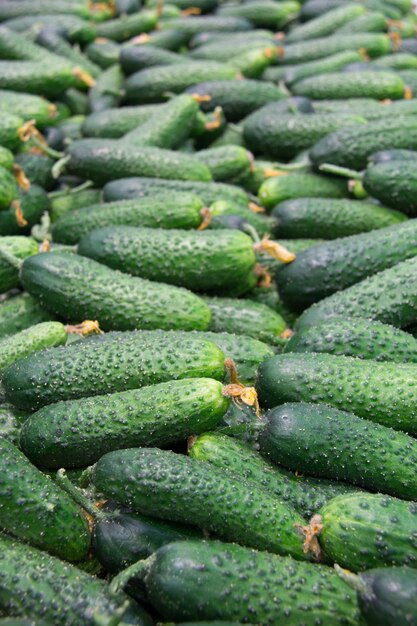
34, 509
386, 297
38, 337
21, 247
202, 23
278, 590
329, 64
78, 288
331, 218
28, 107
380, 392
120, 29
37, 168
368, 108
226, 163
389, 596
335, 265
9, 126
263, 14
374, 44
78, 432
164, 484
246, 318
20, 312
360, 338
33, 204
394, 184
202, 261
10, 423
325, 24
36, 585
39, 78
328, 443
378, 85
114, 123
364, 530
110, 363
8, 188
135, 58
306, 495
67, 202
6, 158
290, 186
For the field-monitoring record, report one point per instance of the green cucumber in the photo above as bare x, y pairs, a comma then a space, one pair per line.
370, 22
294, 73
263, 224
202, 261
226, 163
37, 585
42, 78
400, 61
263, 13
135, 58
177, 210
65, 201
393, 155
10, 423
114, 123
28, 107
335, 265
127, 26
322, 441
374, 44
378, 85
393, 183
107, 90
131, 476
21, 247
368, 108
10, 9
103, 53
110, 363
253, 63
32, 203
326, 24
17, 47
20, 312
386, 297
37, 168
9, 127
365, 530
217, 23
74, 28
288, 186
6, 158
55, 42
35, 510
378, 391
102, 160
271, 585
8, 188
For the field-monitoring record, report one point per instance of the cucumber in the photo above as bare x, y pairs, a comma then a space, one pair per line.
37, 585
385, 297
364, 530
107, 90
39, 77
55, 42
16, 621
393, 155
16, 47
335, 265
246, 318
374, 44
370, 22
226, 163
154, 83
351, 147
172, 39
76, 101
20, 312
368, 108
393, 183
8, 188
10, 423
135, 58
114, 123
171, 479
217, 23
28, 107
33, 203
202, 261
378, 391
399, 61
103, 53
66, 201
9, 127
283, 136
102, 160
326, 24
234, 571
263, 13
36, 510
378, 85
10, 9
127, 26
75, 29
177, 210
314, 8
21, 247
294, 73
322, 441
253, 63
224, 209
37, 169
6, 158
288, 186
89, 368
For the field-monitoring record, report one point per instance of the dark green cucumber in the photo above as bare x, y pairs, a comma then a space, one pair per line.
20, 312
361, 338
114, 123
393, 155
378, 85
226, 163
306, 495
332, 266
153, 84
8, 188
36, 585
217, 23
378, 391
271, 585
6, 158
370, 22
202, 261
10, 423
245, 317
33, 203
364, 530
263, 13
386, 297
102, 160
17, 47
103, 53
351, 147
163, 484
135, 58
65, 201
34, 509
204, 37
55, 42
42, 78
21, 247
326, 24
127, 26
110, 363
107, 90
37, 169
263, 224
368, 108
322, 441
177, 210
332, 63
287, 186
28, 107
374, 44
393, 183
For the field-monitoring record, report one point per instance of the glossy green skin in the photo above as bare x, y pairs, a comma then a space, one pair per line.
378, 85
394, 184
331, 218
164, 484
120, 29
8, 188
89, 367
17, 47
374, 44
325, 24
360, 338
170, 39
278, 590
102, 160
9, 126
306, 495
37, 168
36, 585
202, 261
114, 123
16, 621
77, 288
283, 136
245, 317
322, 441
217, 23
176, 210
77, 433
326, 65
385, 297
67, 202
152, 84
10, 422
368, 108
269, 296
135, 58
389, 596
226, 163
34, 509
33, 204
20, 312
263, 13
21, 247
290, 186
351, 147
41, 77
103, 53
37, 337
332, 266
364, 530
381, 392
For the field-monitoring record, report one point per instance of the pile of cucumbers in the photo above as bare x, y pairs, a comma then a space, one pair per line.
208, 313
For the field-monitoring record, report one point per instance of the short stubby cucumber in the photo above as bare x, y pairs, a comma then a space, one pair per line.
175, 487
322, 441
21, 247
381, 392
287, 186
109, 363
